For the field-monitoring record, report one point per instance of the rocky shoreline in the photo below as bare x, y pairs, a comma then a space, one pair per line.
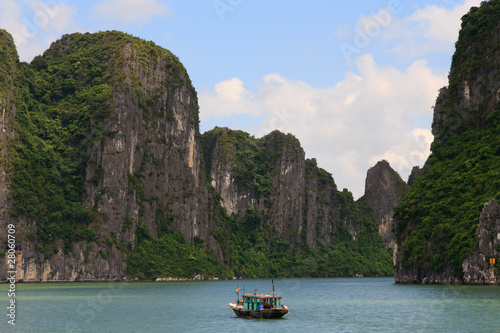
197, 277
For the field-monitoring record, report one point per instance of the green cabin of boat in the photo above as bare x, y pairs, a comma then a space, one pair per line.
253, 301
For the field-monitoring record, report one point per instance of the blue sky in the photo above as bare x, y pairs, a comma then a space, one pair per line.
355, 82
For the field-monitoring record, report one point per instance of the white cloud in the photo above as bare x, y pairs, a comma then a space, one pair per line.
10, 17
10, 10
230, 90
431, 28
36, 24
127, 11
347, 127
229, 97
411, 151
442, 24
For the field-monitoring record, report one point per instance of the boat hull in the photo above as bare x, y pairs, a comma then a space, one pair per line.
261, 314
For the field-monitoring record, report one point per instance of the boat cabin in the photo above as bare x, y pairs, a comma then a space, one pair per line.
253, 301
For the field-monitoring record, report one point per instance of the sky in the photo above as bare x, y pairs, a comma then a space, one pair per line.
354, 81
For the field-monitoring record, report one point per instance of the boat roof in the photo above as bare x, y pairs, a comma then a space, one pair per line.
261, 296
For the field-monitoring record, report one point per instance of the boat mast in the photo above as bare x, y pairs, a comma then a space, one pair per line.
274, 296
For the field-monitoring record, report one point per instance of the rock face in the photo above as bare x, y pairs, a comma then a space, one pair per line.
277, 188
300, 201
325, 219
154, 156
416, 173
477, 269
384, 190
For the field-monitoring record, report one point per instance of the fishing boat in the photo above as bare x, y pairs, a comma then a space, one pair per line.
259, 306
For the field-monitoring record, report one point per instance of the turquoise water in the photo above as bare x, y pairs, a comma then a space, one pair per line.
316, 305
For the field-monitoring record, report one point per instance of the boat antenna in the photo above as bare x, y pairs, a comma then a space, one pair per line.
272, 280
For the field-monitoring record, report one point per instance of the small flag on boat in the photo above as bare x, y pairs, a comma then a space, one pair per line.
238, 290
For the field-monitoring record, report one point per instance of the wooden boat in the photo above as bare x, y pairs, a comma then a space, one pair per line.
259, 306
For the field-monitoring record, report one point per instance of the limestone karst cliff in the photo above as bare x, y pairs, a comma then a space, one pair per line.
112, 122
272, 176
295, 204
477, 268
384, 190
440, 224
105, 175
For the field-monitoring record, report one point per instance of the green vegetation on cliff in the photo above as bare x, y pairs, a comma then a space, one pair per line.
251, 250
247, 155
8, 64
170, 255
439, 217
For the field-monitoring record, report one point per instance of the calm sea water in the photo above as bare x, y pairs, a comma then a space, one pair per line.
316, 305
